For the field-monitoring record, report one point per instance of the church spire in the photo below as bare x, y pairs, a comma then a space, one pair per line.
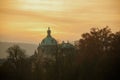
48, 32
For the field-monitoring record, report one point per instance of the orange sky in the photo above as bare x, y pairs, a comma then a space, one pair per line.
27, 20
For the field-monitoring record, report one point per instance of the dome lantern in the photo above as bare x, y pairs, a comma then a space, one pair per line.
48, 32
49, 40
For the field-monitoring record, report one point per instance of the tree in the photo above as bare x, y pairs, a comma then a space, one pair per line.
15, 65
97, 50
16, 53
16, 56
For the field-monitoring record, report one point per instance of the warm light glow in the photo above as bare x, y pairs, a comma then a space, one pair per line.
28, 20
50, 5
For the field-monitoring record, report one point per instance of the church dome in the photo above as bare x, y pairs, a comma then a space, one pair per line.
49, 40
66, 45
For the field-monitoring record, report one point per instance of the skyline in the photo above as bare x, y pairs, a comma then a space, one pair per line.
28, 20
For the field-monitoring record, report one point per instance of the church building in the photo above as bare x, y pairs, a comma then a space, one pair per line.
49, 47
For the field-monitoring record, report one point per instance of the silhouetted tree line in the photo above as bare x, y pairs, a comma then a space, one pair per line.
96, 57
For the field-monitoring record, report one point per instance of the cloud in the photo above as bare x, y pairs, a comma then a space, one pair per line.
32, 17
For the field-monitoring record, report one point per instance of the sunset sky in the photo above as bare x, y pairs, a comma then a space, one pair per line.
28, 20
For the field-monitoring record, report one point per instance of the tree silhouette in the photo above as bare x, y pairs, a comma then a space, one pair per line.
15, 65
96, 56
97, 50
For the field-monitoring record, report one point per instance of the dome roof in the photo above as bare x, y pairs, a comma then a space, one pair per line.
66, 45
49, 40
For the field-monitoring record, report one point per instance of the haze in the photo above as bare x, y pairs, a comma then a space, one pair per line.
27, 20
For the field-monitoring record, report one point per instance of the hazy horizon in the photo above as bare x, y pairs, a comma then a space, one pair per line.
28, 47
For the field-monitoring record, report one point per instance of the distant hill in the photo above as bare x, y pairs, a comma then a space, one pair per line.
29, 48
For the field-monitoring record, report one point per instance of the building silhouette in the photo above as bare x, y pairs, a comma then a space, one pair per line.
49, 47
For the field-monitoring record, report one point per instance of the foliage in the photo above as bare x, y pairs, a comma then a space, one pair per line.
96, 57
99, 55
